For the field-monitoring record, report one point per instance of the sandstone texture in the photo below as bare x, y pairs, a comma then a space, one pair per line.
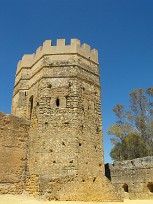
132, 178
13, 153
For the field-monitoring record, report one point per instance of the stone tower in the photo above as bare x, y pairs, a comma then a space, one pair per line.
58, 90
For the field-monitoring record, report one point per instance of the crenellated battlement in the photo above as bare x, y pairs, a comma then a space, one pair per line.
60, 48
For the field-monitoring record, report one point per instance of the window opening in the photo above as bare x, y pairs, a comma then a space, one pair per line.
125, 187
31, 106
49, 86
150, 187
94, 179
57, 102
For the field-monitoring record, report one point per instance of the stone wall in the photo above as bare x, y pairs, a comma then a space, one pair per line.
13, 153
132, 178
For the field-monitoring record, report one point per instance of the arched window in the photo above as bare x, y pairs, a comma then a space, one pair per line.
31, 106
125, 187
57, 102
150, 186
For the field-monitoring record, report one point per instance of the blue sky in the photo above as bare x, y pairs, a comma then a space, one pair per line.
121, 30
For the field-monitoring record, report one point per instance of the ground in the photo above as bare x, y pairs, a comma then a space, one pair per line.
21, 199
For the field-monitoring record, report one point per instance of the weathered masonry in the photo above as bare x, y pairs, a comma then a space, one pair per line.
13, 153
132, 178
58, 91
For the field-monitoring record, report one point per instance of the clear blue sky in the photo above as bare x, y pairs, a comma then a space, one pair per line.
121, 30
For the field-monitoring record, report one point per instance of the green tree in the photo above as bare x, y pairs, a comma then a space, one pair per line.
133, 131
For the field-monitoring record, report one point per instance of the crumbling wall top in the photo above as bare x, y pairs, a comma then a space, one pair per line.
75, 47
139, 162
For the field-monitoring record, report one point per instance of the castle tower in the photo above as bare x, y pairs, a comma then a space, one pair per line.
58, 89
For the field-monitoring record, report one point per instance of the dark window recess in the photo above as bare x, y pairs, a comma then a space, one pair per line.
31, 106
66, 123
70, 84
80, 144
126, 188
97, 129
25, 93
54, 162
63, 143
57, 102
150, 187
94, 179
49, 86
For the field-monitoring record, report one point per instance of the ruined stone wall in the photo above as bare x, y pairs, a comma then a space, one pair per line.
13, 153
132, 178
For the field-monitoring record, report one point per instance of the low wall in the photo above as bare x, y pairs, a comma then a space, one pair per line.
132, 178
13, 153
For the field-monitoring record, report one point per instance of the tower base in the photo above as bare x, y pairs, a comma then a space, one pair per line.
76, 189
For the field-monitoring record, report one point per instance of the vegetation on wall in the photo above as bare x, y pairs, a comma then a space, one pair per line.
133, 131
